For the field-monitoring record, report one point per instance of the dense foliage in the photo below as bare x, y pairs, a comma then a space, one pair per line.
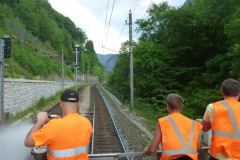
45, 32
189, 50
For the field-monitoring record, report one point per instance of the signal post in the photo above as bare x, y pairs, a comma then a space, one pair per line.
76, 59
4, 53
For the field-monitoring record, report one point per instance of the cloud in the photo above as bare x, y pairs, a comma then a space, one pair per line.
90, 16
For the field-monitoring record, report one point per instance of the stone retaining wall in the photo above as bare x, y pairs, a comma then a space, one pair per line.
20, 94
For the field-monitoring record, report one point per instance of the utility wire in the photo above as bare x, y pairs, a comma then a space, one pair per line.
122, 29
109, 49
133, 4
147, 10
105, 25
109, 23
136, 6
126, 19
134, 9
145, 13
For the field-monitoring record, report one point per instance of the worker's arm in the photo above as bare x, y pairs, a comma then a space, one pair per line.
199, 144
206, 125
42, 117
208, 116
151, 149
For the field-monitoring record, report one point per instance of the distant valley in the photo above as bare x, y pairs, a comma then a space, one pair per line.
108, 60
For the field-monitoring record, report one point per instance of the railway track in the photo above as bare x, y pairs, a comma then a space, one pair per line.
105, 138
56, 109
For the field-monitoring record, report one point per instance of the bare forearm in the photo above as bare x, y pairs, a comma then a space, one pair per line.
151, 150
206, 126
29, 142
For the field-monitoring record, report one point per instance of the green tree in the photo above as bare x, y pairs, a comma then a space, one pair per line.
89, 46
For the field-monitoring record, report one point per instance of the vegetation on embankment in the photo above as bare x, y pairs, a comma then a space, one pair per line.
39, 33
189, 50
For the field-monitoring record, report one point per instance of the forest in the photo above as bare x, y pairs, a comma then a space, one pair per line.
39, 35
187, 50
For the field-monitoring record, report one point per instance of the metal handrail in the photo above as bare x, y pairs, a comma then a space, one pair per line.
115, 93
131, 154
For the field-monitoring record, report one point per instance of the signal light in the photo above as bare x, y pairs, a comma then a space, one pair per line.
7, 47
78, 54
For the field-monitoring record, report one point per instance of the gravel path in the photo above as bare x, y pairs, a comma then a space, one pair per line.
84, 100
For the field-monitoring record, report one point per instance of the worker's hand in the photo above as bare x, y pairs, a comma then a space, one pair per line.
42, 117
145, 149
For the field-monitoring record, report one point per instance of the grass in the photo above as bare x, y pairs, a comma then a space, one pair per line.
42, 103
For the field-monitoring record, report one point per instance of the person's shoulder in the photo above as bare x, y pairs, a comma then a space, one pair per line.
162, 119
84, 119
210, 106
55, 121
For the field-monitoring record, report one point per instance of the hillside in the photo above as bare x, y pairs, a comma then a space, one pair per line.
188, 50
108, 61
39, 34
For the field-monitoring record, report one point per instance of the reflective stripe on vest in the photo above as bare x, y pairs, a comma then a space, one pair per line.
69, 152
186, 150
236, 134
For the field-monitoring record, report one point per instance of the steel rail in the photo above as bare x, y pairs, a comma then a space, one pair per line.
113, 122
93, 119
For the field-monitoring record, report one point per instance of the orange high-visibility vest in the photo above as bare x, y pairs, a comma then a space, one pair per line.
69, 138
225, 129
179, 136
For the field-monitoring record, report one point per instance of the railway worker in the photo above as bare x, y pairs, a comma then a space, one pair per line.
66, 138
224, 120
179, 135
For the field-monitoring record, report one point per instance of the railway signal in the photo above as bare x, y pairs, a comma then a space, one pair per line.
77, 58
5, 52
7, 47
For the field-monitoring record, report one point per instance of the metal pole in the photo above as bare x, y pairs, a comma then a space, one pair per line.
131, 60
106, 67
2, 83
62, 70
76, 68
83, 76
88, 76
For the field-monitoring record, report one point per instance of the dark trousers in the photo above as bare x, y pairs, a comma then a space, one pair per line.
183, 158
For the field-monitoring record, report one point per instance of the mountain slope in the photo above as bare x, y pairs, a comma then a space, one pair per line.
39, 34
108, 61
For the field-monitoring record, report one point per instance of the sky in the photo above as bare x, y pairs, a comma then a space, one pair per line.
93, 17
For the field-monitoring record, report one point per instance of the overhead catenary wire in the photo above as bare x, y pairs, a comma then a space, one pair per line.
145, 13
136, 6
122, 29
109, 49
105, 25
147, 9
133, 11
127, 18
109, 24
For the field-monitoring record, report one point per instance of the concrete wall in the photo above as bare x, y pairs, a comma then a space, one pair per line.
20, 94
